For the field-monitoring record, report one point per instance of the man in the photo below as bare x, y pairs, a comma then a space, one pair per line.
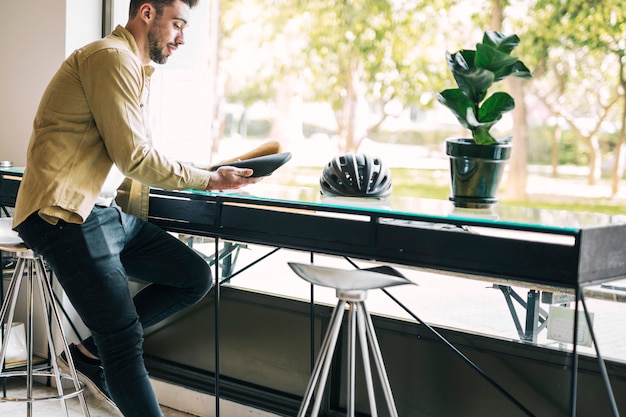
89, 134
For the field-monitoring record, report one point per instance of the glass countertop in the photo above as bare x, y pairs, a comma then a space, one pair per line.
416, 210
12, 170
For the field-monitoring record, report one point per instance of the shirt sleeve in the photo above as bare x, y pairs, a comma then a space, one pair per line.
113, 80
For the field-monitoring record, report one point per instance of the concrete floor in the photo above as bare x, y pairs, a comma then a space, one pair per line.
96, 406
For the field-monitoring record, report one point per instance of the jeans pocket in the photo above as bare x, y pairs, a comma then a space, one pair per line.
37, 234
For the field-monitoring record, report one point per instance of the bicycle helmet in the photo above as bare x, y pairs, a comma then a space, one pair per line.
356, 175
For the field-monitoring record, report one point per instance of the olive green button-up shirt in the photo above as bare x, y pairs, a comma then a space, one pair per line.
90, 117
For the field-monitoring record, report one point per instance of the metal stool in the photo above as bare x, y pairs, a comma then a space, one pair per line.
36, 277
351, 287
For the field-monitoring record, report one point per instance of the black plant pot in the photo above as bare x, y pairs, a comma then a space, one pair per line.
476, 171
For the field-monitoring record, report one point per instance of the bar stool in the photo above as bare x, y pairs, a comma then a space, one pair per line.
351, 288
37, 279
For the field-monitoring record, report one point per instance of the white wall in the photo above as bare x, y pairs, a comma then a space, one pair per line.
37, 35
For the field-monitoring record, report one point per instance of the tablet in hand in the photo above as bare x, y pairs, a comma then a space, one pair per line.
262, 166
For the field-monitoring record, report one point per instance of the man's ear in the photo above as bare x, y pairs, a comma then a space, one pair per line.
147, 12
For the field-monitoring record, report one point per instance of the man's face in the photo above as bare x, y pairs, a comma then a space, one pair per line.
166, 32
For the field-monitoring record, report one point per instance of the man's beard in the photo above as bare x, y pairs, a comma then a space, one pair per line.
154, 39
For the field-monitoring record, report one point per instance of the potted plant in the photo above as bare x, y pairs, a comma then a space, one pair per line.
477, 163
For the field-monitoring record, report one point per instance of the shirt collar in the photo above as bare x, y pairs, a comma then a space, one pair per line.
126, 36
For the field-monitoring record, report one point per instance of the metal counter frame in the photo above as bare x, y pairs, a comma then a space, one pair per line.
572, 253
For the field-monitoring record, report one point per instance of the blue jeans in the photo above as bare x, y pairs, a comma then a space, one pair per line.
93, 262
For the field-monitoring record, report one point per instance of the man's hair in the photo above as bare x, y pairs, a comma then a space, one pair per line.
158, 5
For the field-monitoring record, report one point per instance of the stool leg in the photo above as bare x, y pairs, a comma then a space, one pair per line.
361, 321
322, 365
29, 338
9, 306
33, 268
380, 365
49, 304
351, 357
45, 308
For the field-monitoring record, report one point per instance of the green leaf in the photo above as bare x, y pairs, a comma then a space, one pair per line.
493, 108
472, 81
458, 103
492, 59
468, 56
520, 70
501, 42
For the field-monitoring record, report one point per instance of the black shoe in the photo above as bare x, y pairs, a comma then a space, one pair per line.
89, 373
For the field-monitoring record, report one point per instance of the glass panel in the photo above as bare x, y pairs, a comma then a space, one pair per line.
120, 12
180, 92
477, 305
181, 103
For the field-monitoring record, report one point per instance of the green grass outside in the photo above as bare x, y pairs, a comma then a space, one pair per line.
435, 184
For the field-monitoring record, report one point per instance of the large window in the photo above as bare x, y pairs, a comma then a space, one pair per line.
183, 100
181, 94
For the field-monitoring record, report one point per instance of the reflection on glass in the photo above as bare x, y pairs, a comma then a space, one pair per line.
477, 305
430, 209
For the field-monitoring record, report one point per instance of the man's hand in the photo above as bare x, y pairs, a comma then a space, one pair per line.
230, 178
